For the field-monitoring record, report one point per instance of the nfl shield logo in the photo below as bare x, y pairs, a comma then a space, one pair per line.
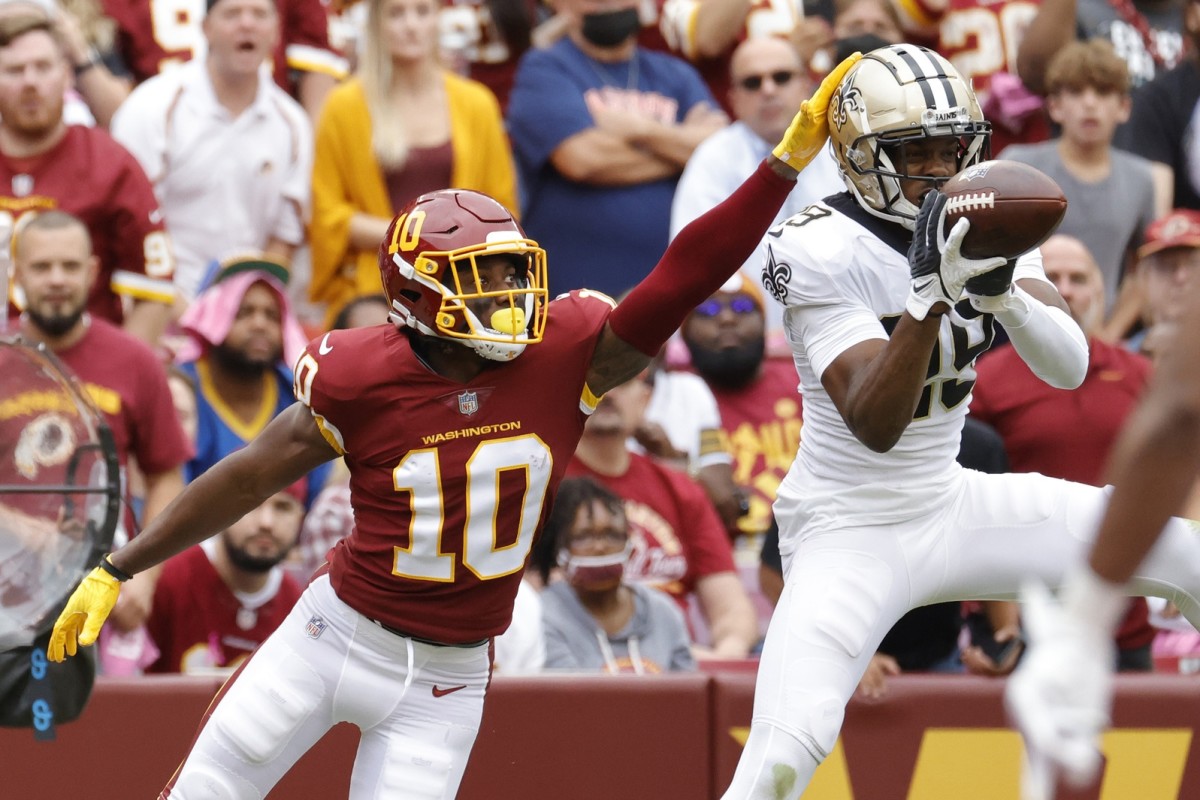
468, 403
315, 627
22, 185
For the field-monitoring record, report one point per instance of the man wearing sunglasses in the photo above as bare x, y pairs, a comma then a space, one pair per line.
766, 80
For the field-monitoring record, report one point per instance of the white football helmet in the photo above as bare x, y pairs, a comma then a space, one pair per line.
894, 95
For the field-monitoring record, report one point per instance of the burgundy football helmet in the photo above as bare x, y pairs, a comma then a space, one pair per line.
428, 264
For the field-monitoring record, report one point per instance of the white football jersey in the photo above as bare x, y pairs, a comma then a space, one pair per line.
843, 277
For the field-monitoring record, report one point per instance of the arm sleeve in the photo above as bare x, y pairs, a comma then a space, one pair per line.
1046, 338
699, 260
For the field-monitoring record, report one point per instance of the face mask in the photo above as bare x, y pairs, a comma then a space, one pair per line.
610, 28
594, 572
731, 367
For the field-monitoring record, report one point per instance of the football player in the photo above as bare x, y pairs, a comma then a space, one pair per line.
456, 423
1061, 694
885, 317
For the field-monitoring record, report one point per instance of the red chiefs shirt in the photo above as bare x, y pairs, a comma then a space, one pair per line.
676, 533
1065, 433
152, 36
760, 428
198, 623
91, 176
450, 483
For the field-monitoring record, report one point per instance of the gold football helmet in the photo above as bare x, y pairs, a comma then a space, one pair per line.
899, 94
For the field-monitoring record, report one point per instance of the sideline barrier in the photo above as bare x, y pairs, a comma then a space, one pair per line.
667, 737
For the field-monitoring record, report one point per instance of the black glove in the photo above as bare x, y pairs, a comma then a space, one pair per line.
993, 283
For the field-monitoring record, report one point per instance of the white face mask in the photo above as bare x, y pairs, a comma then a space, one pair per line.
594, 572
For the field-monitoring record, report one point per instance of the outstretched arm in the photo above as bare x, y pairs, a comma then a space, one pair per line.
289, 447
710, 249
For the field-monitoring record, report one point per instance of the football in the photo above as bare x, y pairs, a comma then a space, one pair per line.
1012, 207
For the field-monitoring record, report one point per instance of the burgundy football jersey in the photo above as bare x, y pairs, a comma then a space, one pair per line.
156, 35
91, 176
197, 623
450, 483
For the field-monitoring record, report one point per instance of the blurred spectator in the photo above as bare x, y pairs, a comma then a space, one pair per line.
758, 398
55, 268
1068, 434
594, 619
404, 126
361, 312
980, 38
706, 32
521, 650
601, 130
681, 427
97, 91
1110, 193
241, 338
484, 39
1146, 34
1165, 124
817, 41
46, 163
768, 84
154, 37
228, 152
1169, 258
679, 544
220, 599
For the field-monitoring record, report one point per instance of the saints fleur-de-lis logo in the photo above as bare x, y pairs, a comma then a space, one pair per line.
775, 277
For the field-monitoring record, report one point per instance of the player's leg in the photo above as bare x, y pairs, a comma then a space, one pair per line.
273, 710
419, 732
1008, 528
842, 593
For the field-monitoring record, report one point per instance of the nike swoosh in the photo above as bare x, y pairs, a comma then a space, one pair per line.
324, 349
439, 692
926, 284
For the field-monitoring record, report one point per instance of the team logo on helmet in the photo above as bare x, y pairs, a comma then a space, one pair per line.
846, 102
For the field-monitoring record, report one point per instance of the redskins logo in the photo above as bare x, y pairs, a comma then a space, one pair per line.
46, 442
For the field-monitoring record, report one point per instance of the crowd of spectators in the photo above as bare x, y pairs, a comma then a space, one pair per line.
191, 198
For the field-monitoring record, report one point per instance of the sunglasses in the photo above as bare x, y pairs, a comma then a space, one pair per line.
752, 83
738, 305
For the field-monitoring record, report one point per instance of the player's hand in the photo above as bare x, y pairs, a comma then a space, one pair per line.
995, 283
810, 127
80, 622
1060, 696
936, 264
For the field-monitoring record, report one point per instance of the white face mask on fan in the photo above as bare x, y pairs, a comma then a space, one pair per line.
594, 573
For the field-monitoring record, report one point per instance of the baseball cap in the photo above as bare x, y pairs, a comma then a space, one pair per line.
1180, 228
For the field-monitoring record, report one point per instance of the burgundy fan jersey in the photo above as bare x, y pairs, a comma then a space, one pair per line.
198, 624
156, 35
91, 176
451, 483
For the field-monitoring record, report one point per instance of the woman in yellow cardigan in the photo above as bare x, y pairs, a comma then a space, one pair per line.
404, 125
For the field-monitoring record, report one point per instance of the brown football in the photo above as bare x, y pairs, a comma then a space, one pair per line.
1012, 207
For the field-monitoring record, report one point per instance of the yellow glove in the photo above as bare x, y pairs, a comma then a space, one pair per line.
85, 613
810, 129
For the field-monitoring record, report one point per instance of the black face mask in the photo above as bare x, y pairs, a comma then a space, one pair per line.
610, 28
730, 367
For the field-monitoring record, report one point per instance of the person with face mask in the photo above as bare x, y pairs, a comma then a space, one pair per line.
593, 619
601, 129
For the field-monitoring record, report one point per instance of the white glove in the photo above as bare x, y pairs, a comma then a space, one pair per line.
1061, 694
936, 264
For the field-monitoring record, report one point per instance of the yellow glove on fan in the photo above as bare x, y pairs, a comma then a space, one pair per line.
80, 622
809, 129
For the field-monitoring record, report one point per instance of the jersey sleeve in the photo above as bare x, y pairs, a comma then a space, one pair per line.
306, 39
159, 441
144, 256
319, 383
707, 545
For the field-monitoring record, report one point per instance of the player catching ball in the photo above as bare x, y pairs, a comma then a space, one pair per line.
885, 316
456, 423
